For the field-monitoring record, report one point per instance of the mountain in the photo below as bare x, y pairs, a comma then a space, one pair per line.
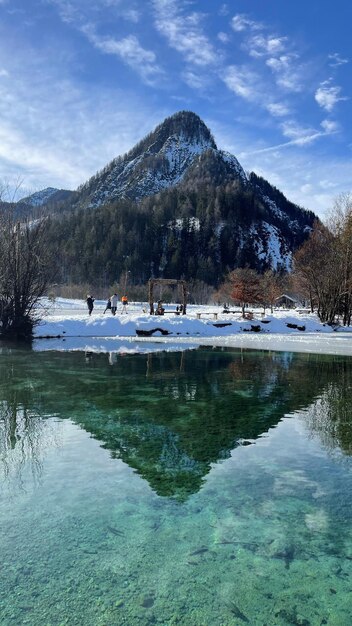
40, 197
176, 205
46, 201
158, 162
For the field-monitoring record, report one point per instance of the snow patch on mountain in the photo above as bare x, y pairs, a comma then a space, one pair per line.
179, 224
270, 246
234, 164
39, 198
273, 207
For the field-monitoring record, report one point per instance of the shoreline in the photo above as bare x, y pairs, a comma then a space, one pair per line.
339, 344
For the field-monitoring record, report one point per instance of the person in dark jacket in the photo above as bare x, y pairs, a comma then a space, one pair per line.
90, 303
108, 305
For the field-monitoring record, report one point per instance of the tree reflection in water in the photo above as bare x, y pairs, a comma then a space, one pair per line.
170, 416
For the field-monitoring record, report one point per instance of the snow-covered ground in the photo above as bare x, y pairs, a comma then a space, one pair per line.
66, 325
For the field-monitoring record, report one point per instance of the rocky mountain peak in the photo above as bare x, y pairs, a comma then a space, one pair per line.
157, 162
39, 198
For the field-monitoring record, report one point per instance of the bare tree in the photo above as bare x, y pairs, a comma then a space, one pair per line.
26, 270
318, 265
340, 224
272, 287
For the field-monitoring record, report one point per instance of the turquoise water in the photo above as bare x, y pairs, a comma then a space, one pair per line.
197, 488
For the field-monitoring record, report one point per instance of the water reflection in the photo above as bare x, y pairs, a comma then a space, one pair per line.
169, 416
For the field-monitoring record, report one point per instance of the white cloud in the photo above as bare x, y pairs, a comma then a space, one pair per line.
259, 45
336, 60
274, 50
243, 82
304, 140
242, 22
69, 11
278, 109
224, 10
183, 32
328, 95
223, 37
287, 72
128, 50
298, 133
3, 72
195, 80
62, 135
330, 126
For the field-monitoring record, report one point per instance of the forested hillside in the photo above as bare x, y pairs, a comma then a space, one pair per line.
199, 233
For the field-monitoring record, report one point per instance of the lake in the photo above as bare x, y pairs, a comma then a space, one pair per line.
207, 487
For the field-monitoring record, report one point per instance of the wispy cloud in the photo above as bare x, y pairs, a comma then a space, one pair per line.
330, 126
242, 22
223, 37
299, 134
243, 82
62, 135
336, 60
276, 51
69, 11
278, 109
195, 80
302, 173
261, 45
300, 141
328, 95
80, 15
224, 10
128, 50
184, 32
287, 72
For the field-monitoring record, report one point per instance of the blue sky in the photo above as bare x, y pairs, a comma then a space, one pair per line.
82, 81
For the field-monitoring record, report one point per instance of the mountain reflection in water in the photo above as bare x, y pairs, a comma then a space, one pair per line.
169, 416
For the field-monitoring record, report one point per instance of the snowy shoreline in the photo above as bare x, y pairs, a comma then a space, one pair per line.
67, 326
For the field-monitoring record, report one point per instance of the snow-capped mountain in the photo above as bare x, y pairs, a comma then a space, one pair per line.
176, 205
162, 160
41, 202
39, 198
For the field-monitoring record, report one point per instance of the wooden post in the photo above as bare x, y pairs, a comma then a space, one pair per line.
184, 293
151, 296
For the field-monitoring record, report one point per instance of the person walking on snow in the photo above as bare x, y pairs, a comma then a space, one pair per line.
124, 301
108, 306
114, 300
90, 303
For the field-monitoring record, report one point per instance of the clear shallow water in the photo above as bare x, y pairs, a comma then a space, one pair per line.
201, 488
